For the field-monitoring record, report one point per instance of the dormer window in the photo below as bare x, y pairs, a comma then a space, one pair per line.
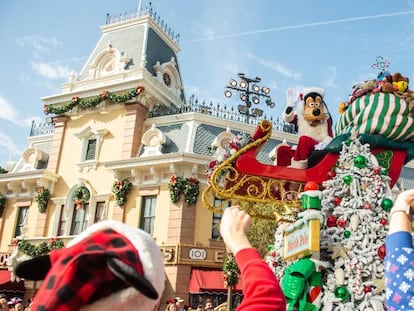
167, 73
167, 79
153, 140
91, 149
91, 143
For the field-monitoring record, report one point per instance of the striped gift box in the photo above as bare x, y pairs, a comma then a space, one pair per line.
382, 114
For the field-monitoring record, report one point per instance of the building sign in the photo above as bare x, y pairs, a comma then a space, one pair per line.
197, 253
212, 257
301, 239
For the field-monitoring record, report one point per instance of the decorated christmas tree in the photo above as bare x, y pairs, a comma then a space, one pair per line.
356, 201
347, 271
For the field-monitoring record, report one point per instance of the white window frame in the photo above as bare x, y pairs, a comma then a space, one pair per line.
85, 136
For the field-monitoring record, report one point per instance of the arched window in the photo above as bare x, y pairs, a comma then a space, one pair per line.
79, 218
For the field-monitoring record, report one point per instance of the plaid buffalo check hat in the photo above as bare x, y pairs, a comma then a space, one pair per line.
110, 266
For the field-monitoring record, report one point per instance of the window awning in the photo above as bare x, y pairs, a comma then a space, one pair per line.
208, 281
8, 287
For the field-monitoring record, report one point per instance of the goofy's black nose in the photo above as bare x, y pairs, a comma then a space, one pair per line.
316, 112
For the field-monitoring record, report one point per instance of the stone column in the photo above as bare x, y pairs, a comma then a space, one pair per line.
134, 119
57, 142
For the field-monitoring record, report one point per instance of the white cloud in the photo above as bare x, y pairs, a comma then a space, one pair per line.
330, 77
49, 71
8, 112
38, 43
7, 146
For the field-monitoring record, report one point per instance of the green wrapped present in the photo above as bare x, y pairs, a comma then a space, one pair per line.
382, 114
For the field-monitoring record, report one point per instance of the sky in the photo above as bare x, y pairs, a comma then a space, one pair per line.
295, 43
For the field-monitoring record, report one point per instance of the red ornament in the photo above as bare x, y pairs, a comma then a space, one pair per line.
384, 221
331, 174
331, 221
341, 223
367, 289
376, 170
337, 201
367, 205
311, 185
273, 253
381, 251
275, 264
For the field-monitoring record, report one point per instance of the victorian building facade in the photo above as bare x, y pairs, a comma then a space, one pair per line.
124, 122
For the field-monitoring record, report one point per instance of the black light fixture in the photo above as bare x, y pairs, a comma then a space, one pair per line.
249, 92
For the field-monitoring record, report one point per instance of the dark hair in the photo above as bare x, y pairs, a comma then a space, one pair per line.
3, 296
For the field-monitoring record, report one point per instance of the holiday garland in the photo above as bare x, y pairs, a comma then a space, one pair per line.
190, 187
93, 101
81, 196
43, 248
2, 203
42, 199
120, 189
230, 272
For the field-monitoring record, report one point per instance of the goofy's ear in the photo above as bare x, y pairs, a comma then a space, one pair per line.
131, 277
34, 269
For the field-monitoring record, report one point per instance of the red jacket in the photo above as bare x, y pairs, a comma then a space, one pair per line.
261, 289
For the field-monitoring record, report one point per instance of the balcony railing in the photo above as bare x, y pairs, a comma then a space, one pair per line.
39, 129
223, 112
192, 105
147, 11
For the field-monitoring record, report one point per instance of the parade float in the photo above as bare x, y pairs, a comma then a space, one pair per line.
331, 217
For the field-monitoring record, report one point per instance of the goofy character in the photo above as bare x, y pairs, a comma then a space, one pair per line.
314, 126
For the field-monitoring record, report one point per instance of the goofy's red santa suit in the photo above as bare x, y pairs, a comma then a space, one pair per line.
314, 125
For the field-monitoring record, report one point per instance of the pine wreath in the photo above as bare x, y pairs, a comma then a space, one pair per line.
81, 196
191, 190
176, 186
42, 199
120, 189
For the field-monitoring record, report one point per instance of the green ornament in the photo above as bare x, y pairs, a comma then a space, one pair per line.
348, 142
347, 179
360, 161
347, 233
270, 247
384, 171
387, 204
342, 293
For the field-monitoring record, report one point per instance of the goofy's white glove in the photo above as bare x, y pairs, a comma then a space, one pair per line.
292, 97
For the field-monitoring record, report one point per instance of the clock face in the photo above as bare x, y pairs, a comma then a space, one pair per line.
167, 79
109, 66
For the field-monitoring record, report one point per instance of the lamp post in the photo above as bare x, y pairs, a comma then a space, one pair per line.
250, 93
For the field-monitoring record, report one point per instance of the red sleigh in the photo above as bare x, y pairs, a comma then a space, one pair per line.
270, 191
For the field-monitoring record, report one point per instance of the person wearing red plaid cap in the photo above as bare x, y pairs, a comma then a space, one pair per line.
261, 289
109, 266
